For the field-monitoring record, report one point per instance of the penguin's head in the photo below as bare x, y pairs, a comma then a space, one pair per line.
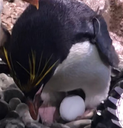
31, 82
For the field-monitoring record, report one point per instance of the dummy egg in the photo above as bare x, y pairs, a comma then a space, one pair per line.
71, 107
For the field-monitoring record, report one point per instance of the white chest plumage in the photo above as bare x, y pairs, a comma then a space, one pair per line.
83, 69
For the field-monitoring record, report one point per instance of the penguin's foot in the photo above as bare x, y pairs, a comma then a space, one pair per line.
87, 114
48, 114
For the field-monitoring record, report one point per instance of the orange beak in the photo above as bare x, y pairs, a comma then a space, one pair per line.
33, 2
34, 106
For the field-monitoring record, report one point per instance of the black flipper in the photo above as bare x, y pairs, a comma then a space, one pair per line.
104, 42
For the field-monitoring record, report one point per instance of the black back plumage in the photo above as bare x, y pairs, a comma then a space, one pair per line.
47, 35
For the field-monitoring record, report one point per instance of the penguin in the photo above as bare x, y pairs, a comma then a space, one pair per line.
61, 47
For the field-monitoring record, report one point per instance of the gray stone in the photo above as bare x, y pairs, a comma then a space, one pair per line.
58, 125
4, 109
23, 111
12, 86
79, 123
11, 123
8, 94
14, 102
5, 81
88, 126
35, 125
12, 114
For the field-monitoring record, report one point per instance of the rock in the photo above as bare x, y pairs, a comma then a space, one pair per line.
6, 11
58, 125
79, 123
12, 114
88, 126
5, 81
11, 123
12, 11
12, 86
8, 94
95, 4
14, 102
35, 125
118, 2
4, 109
23, 111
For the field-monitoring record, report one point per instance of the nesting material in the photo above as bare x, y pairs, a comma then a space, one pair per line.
79, 123
14, 102
5, 81
4, 109
11, 123
23, 111
7, 95
12, 114
72, 107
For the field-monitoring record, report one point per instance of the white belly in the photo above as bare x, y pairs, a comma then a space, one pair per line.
83, 69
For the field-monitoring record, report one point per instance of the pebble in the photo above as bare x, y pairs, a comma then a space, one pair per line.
8, 94
79, 123
88, 126
4, 109
12, 114
36, 125
14, 102
6, 12
23, 111
58, 125
5, 81
11, 123
12, 86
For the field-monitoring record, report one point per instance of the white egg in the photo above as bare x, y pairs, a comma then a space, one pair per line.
71, 107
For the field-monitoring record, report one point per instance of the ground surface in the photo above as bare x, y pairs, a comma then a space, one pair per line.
11, 11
